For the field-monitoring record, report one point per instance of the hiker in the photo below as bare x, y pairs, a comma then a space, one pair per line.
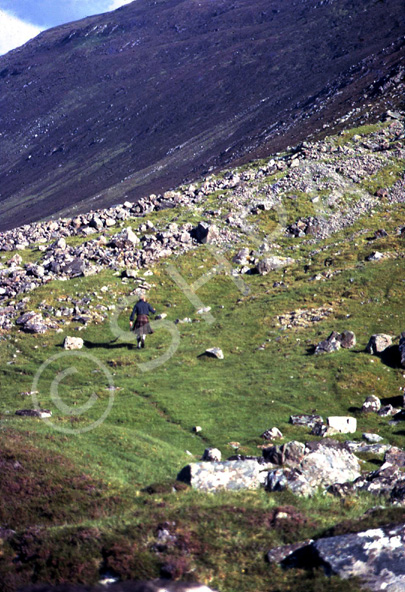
142, 326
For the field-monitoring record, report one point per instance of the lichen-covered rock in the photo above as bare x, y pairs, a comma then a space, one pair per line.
378, 343
226, 475
329, 462
329, 345
272, 434
305, 420
212, 455
318, 464
71, 343
371, 404
347, 339
375, 556
272, 263
205, 233
379, 482
395, 456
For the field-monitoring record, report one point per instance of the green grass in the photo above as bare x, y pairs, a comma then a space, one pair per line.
84, 495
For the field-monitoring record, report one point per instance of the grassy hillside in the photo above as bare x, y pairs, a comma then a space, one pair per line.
87, 501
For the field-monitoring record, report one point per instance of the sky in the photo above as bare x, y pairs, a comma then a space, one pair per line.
20, 20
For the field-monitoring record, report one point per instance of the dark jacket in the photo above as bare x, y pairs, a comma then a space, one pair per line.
141, 308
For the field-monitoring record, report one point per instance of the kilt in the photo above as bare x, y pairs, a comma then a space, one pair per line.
142, 326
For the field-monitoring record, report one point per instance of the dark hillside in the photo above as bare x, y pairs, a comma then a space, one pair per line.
133, 101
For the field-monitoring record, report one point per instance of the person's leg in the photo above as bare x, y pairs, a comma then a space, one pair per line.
139, 340
143, 340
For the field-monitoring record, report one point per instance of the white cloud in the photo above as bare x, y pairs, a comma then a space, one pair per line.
117, 3
14, 32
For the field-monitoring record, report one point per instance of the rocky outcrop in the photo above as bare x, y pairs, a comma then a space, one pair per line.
375, 556
229, 475
335, 341
378, 343
371, 404
307, 467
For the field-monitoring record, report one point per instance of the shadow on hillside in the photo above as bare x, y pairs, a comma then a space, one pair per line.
391, 357
114, 344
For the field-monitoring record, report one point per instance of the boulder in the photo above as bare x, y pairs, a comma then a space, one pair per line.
347, 339
371, 404
395, 456
318, 464
329, 345
378, 343
388, 410
343, 425
290, 453
41, 413
226, 475
72, 343
379, 482
306, 420
376, 556
242, 257
372, 438
214, 352
205, 233
272, 263
398, 493
75, 268
329, 462
323, 431
212, 455
272, 434
125, 239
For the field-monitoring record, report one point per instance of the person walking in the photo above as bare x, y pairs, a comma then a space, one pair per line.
142, 309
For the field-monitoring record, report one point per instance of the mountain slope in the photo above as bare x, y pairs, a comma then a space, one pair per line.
133, 101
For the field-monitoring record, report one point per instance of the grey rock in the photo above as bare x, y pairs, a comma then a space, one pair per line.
375, 556
272, 434
372, 438
279, 554
398, 493
226, 475
242, 257
212, 455
73, 343
371, 404
272, 263
378, 343
214, 352
373, 448
387, 411
379, 482
347, 339
395, 456
205, 233
329, 345
343, 425
41, 413
306, 420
